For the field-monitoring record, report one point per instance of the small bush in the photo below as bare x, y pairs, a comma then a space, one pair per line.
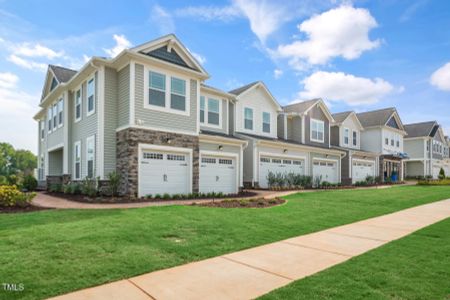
441, 174
317, 181
10, 195
3, 180
370, 179
157, 196
166, 196
89, 187
29, 183
148, 196
55, 188
12, 180
114, 183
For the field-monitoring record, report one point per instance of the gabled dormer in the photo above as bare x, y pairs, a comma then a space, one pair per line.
256, 110
346, 130
54, 77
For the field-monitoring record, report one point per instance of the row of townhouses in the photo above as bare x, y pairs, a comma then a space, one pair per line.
148, 115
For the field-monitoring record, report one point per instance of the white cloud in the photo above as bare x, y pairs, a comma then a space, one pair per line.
27, 64
200, 58
8, 80
411, 10
35, 50
277, 73
162, 19
441, 77
210, 13
121, 44
338, 86
343, 31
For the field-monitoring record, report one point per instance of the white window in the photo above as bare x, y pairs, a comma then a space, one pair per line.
78, 105
346, 136
90, 96
157, 89
202, 109
90, 156
355, 138
213, 111
42, 129
60, 112
248, 118
317, 130
266, 122
77, 160
55, 116
49, 119
177, 94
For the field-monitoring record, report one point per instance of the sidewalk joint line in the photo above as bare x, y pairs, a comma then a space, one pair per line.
141, 289
362, 237
257, 268
313, 248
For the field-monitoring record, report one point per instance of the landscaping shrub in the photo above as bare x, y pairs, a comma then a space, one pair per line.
12, 180
114, 183
3, 180
441, 174
370, 180
317, 181
71, 188
166, 196
434, 182
55, 188
10, 195
29, 183
89, 187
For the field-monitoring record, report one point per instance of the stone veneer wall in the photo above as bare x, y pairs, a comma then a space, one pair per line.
128, 141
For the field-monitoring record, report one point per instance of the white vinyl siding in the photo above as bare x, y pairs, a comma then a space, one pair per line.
266, 122
248, 118
91, 96
90, 156
317, 130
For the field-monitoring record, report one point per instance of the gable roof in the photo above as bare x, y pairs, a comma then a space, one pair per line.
303, 107
339, 118
246, 88
62, 74
422, 129
168, 48
379, 117
212, 89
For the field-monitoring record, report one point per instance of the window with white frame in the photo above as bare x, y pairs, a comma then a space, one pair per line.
157, 89
346, 136
78, 107
55, 116
77, 159
49, 119
90, 96
266, 122
248, 118
177, 94
397, 141
317, 130
386, 141
202, 109
355, 138
60, 112
90, 156
42, 129
213, 111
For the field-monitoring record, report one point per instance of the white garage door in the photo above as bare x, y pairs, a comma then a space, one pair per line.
218, 174
164, 172
279, 165
327, 169
362, 169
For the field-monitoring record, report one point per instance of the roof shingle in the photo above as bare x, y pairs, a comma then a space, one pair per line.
422, 129
375, 117
62, 74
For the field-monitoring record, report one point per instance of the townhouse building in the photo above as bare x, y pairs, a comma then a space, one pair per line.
428, 150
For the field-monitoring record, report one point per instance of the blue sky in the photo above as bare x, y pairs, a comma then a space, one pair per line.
356, 55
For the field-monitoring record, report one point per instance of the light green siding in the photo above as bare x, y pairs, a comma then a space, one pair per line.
111, 115
123, 104
415, 148
55, 162
56, 137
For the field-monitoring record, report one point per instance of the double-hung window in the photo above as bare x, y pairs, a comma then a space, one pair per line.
213, 111
202, 109
355, 138
90, 96
78, 106
317, 130
248, 118
49, 119
55, 116
90, 156
346, 136
177, 94
157, 89
60, 112
77, 159
266, 122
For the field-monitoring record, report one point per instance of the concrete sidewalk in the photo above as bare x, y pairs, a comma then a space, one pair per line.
254, 272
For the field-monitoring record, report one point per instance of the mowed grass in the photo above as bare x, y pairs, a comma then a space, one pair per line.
414, 267
58, 251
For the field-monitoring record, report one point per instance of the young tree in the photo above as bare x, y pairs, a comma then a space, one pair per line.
16, 161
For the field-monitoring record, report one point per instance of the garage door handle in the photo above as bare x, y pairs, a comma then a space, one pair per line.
165, 178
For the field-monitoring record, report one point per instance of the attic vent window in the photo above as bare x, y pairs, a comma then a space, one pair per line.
54, 84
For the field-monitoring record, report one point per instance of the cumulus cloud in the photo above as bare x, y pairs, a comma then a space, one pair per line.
26, 63
339, 32
162, 19
200, 58
8, 80
122, 43
441, 77
36, 50
338, 86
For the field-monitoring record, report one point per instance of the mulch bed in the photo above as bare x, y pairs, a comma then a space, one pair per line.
20, 209
251, 203
126, 199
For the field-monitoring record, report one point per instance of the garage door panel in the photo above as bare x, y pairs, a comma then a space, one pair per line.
362, 169
218, 174
279, 165
327, 170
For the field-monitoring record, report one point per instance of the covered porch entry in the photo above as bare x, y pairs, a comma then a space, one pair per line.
391, 168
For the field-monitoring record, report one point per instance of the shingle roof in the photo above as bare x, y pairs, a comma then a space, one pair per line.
169, 56
242, 89
300, 107
62, 74
375, 117
340, 117
213, 88
422, 129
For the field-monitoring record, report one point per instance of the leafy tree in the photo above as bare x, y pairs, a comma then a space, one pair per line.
25, 161
16, 161
7, 154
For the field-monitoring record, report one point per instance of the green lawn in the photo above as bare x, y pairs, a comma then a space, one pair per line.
415, 267
54, 252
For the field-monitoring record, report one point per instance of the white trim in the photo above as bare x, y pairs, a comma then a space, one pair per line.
100, 149
66, 133
363, 160
79, 88
275, 155
143, 146
311, 130
325, 159
89, 113
222, 154
198, 105
168, 91
132, 117
157, 129
206, 112
56, 147
241, 164
227, 120
285, 120
74, 160
60, 100
270, 122
243, 120
343, 136
205, 138
89, 140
